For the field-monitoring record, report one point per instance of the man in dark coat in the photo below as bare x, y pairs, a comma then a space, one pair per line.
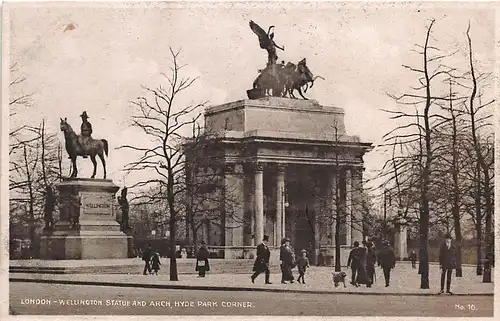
261, 264
146, 257
354, 261
447, 256
202, 265
371, 258
387, 260
413, 258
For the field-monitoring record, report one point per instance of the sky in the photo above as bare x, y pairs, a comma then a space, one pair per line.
101, 64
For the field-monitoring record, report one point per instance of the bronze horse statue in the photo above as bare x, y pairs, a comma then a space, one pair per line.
76, 145
284, 80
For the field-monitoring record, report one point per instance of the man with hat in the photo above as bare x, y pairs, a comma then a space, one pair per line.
262, 261
85, 130
387, 260
354, 261
447, 261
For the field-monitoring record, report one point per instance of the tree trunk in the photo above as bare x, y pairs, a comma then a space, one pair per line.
173, 258
488, 231
338, 267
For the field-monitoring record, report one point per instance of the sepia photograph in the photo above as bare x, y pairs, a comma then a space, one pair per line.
313, 159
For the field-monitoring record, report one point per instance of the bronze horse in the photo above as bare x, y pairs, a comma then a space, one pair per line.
284, 80
76, 145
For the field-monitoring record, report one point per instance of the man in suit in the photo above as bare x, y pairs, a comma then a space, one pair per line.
146, 257
447, 262
354, 261
262, 261
387, 260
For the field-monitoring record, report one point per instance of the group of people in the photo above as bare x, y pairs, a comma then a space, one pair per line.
288, 262
151, 260
362, 261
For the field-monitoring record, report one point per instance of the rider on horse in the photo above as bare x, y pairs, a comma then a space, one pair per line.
86, 130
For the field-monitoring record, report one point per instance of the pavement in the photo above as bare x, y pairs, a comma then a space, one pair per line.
404, 281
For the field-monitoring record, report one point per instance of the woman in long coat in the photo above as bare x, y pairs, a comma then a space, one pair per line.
287, 257
202, 265
362, 277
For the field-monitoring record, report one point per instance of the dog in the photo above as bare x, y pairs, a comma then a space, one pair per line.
339, 277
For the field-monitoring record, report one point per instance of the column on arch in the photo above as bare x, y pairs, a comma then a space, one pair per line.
280, 205
348, 207
332, 204
259, 202
233, 199
357, 204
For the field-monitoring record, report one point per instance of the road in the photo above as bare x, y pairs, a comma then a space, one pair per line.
58, 299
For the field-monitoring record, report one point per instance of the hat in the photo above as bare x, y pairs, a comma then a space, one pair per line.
84, 115
447, 236
303, 251
369, 244
266, 238
286, 239
356, 243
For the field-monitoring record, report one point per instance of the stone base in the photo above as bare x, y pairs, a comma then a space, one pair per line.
82, 247
97, 234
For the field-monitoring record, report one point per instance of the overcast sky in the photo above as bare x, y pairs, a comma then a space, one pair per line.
101, 64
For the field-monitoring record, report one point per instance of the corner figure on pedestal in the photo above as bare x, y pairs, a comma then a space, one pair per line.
122, 200
84, 145
50, 203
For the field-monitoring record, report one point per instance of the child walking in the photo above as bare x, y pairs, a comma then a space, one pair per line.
302, 264
155, 262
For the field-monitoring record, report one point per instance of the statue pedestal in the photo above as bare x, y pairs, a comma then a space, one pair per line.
98, 234
400, 240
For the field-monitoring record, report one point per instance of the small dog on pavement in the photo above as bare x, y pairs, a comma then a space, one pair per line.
339, 277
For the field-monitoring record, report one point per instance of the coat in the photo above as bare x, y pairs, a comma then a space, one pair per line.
146, 255
262, 261
354, 258
302, 264
287, 256
447, 257
386, 258
155, 262
371, 258
202, 256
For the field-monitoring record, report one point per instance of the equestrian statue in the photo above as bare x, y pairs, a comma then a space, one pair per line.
279, 80
84, 145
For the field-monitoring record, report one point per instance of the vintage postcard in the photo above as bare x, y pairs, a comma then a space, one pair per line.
248, 159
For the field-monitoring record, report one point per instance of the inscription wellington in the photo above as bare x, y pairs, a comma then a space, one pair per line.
96, 203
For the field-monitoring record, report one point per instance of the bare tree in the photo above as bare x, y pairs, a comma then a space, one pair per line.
482, 165
163, 122
428, 76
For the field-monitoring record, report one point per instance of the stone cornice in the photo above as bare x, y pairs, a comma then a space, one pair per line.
311, 106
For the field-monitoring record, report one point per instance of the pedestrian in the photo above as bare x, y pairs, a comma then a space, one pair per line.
262, 261
146, 257
302, 264
202, 265
362, 276
354, 261
413, 258
387, 260
447, 257
287, 258
155, 262
371, 258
